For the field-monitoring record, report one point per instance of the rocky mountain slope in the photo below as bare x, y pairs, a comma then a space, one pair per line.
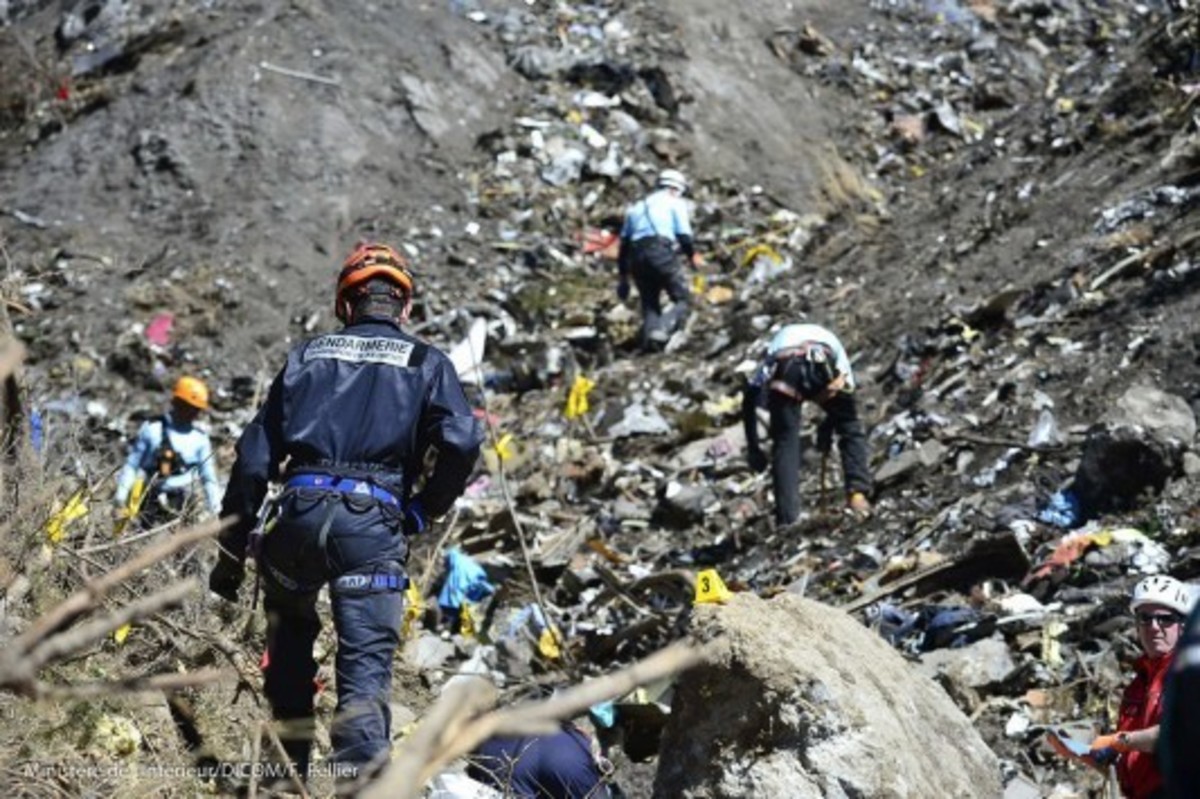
990, 201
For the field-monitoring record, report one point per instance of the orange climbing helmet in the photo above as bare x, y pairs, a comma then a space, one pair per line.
192, 391
369, 261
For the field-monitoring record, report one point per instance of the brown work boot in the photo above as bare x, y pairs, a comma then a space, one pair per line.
858, 504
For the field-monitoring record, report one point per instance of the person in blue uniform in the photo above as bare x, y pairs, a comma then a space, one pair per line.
377, 436
169, 454
655, 230
806, 362
560, 765
1180, 739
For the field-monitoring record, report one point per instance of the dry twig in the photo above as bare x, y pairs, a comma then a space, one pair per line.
73, 640
450, 731
278, 744
94, 592
40, 645
130, 685
494, 438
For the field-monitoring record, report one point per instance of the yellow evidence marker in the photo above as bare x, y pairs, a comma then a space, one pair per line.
710, 588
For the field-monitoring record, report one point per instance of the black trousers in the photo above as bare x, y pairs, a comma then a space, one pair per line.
841, 418
656, 268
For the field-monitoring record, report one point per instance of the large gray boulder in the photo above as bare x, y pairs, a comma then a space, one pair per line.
1136, 447
800, 700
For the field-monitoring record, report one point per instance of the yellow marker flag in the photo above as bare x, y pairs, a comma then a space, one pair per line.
710, 588
121, 633
134, 504
550, 643
503, 450
414, 608
577, 400
466, 621
76, 508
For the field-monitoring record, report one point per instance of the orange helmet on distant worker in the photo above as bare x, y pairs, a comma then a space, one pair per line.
370, 261
192, 391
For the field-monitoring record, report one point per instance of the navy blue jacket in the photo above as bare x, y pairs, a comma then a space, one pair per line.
369, 402
556, 766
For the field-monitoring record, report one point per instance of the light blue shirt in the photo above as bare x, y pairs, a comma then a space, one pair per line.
661, 214
792, 337
191, 445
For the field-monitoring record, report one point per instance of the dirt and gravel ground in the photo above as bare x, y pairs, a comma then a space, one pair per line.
220, 162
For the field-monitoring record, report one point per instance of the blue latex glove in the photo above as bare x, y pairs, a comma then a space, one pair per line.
623, 290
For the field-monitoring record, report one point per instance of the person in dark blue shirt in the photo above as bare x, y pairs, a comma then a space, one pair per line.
561, 765
1179, 743
377, 435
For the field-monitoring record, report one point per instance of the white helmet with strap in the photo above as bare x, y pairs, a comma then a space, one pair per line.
1163, 590
672, 179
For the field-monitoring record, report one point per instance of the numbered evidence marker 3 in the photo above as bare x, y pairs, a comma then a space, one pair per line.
710, 588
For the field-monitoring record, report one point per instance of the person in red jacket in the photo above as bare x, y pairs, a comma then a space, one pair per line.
1159, 604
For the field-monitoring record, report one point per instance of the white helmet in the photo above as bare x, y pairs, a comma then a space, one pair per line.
1162, 590
672, 179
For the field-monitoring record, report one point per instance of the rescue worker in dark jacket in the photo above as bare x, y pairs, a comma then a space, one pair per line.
377, 436
1180, 741
806, 362
652, 230
560, 765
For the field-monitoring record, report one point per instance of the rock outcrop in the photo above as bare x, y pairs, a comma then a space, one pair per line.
800, 700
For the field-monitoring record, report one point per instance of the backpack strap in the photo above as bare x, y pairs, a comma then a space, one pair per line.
180, 466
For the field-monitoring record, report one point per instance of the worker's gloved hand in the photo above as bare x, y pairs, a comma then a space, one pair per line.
858, 504
1060, 749
1116, 741
415, 522
757, 459
835, 387
623, 289
226, 577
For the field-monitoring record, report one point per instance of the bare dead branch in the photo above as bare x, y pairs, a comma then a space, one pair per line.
462, 700
130, 685
449, 732
76, 638
126, 540
278, 744
519, 720
91, 594
255, 752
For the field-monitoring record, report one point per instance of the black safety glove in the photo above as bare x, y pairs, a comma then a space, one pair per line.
757, 459
623, 290
226, 577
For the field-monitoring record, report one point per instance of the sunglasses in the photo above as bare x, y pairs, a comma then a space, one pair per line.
1159, 619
